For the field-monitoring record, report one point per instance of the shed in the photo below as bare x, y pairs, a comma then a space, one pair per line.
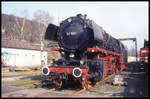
21, 53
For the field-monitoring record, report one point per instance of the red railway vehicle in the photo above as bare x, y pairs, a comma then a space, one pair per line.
144, 52
89, 54
144, 57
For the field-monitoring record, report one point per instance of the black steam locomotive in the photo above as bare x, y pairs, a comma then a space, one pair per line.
88, 52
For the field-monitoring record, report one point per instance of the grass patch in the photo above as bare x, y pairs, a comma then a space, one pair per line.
17, 73
29, 72
117, 87
18, 82
24, 80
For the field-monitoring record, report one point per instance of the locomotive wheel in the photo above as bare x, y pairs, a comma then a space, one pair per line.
102, 69
99, 72
58, 84
119, 68
98, 76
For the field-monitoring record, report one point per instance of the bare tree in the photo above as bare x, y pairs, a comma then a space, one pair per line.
7, 27
20, 25
43, 18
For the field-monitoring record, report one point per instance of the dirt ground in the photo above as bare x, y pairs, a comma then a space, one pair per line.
137, 86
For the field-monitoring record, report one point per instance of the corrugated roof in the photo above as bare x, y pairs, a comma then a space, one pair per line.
19, 44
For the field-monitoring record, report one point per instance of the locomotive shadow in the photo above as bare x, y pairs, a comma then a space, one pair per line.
136, 67
69, 86
39, 77
137, 81
75, 86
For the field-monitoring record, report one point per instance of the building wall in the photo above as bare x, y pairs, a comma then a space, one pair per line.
132, 59
22, 57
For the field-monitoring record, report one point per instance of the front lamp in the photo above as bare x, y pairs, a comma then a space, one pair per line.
51, 61
81, 62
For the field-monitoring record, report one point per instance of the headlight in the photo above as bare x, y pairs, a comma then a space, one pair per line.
77, 72
81, 62
45, 70
69, 20
71, 55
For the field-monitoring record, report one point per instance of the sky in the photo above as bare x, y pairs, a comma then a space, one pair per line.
119, 19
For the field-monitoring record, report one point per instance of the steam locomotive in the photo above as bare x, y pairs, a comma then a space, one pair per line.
89, 54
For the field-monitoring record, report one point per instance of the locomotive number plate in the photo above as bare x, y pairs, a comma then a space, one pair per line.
71, 33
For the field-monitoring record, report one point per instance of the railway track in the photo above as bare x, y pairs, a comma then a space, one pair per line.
22, 84
74, 93
29, 75
97, 84
90, 87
